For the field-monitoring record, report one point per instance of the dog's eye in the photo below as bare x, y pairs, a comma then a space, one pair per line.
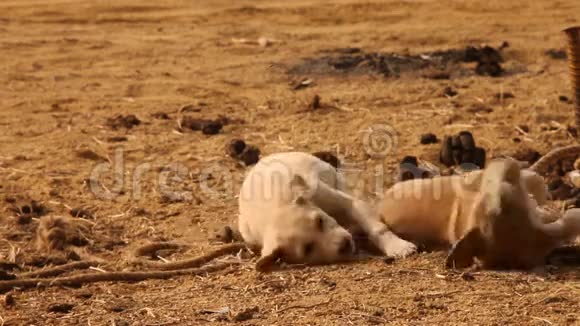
308, 249
319, 223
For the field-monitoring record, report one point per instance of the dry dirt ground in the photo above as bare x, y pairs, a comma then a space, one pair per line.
67, 66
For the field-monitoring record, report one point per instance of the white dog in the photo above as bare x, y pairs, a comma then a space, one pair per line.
295, 207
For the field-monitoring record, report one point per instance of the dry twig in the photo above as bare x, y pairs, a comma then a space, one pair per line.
49, 272
79, 280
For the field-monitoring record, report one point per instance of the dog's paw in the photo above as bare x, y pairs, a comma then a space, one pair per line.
399, 248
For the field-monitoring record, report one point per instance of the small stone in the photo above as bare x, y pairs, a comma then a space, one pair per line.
479, 157
64, 308
84, 295
121, 322
82, 213
573, 131
9, 300
247, 314
448, 91
127, 121
264, 42
479, 108
411, 160
315, 104
225, 234
492, 69
467, 276
235, 147
446, 152
117, 308
467, 141
556, 54
161, 116
505, 96
212, 128
250, 156
329, 283
24, 219
429, 138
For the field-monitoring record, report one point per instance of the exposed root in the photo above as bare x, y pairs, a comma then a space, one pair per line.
571, 152
152, 248
198, 261
50, 272
79, 280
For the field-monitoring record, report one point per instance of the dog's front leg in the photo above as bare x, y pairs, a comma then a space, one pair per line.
378, 232
348, 210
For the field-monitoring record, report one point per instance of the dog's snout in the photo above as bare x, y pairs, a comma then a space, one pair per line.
346, 247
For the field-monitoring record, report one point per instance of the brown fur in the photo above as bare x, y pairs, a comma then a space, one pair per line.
487, 215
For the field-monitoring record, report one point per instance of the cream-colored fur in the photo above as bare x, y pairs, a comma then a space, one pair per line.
487, 214
533, 182
296, 208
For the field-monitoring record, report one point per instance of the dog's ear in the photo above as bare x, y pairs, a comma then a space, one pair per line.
268, 259
464, 251
300, 190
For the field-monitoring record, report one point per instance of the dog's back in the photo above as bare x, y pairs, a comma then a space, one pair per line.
432, 212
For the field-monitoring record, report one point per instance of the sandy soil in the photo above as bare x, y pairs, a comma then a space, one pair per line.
67, 66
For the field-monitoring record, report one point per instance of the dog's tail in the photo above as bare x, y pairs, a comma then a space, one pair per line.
500, 180
566, 228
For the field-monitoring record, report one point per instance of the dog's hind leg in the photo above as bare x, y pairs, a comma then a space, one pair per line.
566, 228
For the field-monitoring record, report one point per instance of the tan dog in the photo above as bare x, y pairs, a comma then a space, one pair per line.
296, 208
487, 215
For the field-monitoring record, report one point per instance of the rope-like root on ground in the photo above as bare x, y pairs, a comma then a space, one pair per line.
198, 261
49, 272
79, 280
571, 152
161, 271
152, 248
